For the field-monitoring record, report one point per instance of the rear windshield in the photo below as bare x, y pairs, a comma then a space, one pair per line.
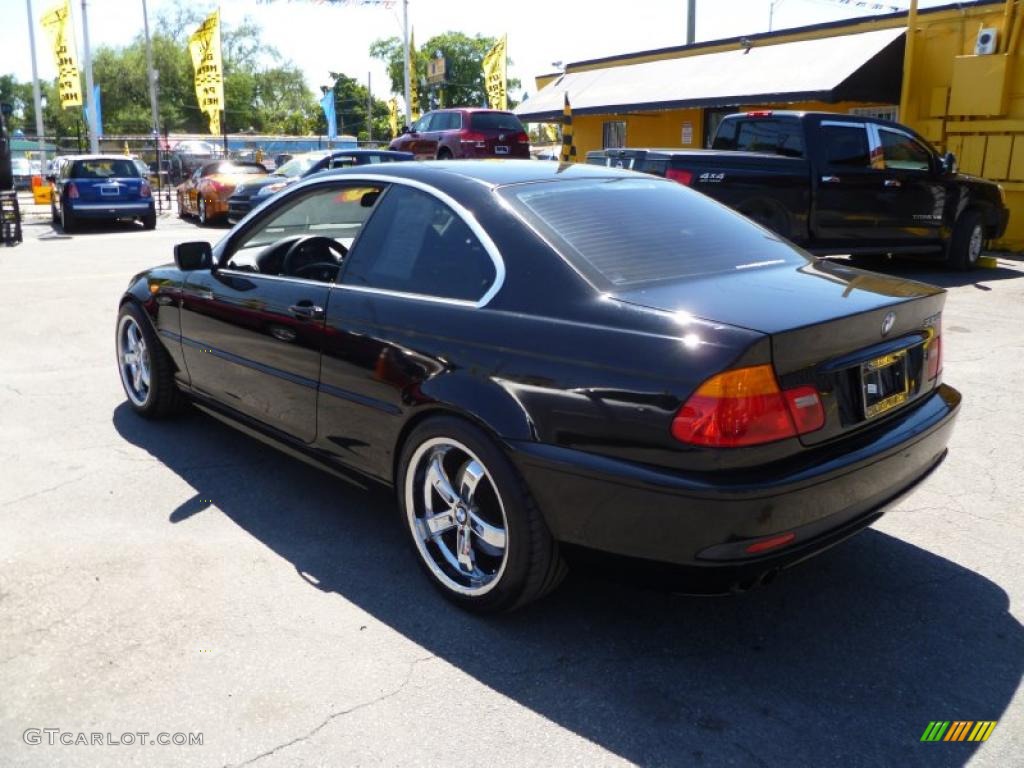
495, 121
629, 232
234, 168
759, 134
298, 165
104, 169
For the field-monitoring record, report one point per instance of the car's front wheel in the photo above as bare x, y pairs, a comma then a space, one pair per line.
147, 372
475, 528
968, 241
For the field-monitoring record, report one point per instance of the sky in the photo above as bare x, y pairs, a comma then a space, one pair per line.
320, 37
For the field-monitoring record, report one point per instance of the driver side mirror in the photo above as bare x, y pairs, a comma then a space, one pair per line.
190, 257
949, 165
406, 129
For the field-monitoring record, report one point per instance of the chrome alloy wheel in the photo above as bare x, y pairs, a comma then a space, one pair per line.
459, 527
133, 360
976, 244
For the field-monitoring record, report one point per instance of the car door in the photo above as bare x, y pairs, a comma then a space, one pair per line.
913, 195
252, 329
848, 198
424, 144
416, 275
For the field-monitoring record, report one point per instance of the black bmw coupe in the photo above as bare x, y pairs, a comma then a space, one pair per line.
534, 354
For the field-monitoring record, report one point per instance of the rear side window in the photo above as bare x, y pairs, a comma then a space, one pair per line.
104, 169
416, 244
496, 121
629, 232
758, 134
446, 121
846, 146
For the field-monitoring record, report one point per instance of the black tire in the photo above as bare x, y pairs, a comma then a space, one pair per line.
181, 207
444, 154
201, 212
530, 566
967, 242
162, 397
149, 220
54, 218
67, 219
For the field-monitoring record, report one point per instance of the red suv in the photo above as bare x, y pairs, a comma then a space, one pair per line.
451, 133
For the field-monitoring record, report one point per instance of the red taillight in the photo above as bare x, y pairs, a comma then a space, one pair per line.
677, 174
745, 407
472, 137
144, 190
760, 113
933, 349
772, 542
71, 191
522, 137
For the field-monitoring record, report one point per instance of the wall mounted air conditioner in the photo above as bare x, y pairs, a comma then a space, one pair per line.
987, 41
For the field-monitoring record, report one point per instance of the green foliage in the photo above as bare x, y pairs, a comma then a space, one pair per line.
464, 56
350, 106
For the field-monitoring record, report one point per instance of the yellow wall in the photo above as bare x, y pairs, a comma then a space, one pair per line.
987, 134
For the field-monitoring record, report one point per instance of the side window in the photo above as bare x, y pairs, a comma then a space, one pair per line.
901, 152
417, 244
846, 146
333, 215
423, 124
614, 134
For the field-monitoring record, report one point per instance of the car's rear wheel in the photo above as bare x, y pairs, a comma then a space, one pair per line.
968, 241
475, 528
67, 218
444, 154
201, 205
147, 373
149, 220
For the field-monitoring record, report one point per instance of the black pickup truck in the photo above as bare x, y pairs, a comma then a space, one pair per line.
836, 183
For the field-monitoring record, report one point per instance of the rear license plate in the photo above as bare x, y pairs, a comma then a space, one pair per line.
886, 384
110, 189
500, 150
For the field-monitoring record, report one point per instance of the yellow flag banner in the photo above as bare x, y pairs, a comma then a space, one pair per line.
204, 45
414, 107
58, 26
495, 81
393, 116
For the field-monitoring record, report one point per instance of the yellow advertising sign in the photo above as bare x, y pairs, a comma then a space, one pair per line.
495, 82
393, 116
58, 26
204, 46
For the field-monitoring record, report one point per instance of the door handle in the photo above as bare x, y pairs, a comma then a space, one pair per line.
893, 183
830, 179
306, 310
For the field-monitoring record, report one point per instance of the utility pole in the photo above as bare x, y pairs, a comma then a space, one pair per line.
154, 108
691, 21
90, 101
36, 97
408, 76
369, 107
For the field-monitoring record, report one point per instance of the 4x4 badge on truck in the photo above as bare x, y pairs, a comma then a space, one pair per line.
888, 323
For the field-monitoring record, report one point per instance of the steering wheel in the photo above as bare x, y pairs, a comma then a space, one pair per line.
326, 244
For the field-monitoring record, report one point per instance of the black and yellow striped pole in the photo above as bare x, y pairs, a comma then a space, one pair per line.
568, 148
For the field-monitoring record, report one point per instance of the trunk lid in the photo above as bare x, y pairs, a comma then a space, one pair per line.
832, 326
503, 134
114, 190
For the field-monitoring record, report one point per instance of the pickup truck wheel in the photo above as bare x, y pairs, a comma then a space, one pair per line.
475, 527
968, 241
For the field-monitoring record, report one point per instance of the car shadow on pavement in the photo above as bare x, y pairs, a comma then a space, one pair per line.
843, 661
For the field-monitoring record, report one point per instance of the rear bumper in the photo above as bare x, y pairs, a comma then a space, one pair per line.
111, 210
707, 520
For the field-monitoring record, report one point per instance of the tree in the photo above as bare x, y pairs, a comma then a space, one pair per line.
350, 98
464, 56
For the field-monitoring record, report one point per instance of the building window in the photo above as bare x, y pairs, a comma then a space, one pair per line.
882, 113
614, 134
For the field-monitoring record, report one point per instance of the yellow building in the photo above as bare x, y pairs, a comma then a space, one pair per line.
959, 82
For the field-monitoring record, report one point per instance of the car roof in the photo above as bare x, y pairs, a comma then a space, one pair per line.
94, 157
493, 173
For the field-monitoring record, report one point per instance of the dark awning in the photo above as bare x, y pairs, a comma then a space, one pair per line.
863, 67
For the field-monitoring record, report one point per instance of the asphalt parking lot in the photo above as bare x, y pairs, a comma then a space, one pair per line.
182, 578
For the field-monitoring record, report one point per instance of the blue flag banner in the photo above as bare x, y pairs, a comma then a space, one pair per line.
99, 111
327, 104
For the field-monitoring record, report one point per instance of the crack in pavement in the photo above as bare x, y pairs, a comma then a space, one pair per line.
48, 489
334, 715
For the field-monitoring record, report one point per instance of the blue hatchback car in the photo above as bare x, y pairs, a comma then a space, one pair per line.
104, 187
